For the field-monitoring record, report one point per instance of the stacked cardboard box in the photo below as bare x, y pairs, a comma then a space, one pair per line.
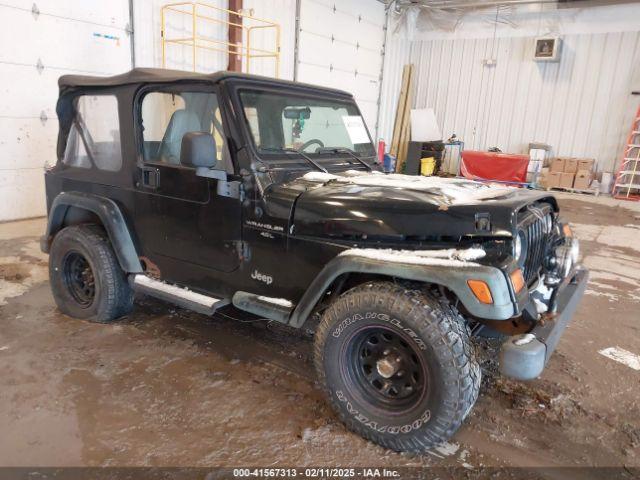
556, 168
543, 178
584, 174
569, 173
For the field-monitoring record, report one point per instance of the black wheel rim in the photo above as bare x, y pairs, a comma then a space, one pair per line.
386, 369
79, 279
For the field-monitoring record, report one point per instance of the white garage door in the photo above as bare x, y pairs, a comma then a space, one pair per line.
41, 41
341, 46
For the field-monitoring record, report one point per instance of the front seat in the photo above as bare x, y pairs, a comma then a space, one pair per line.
181, 122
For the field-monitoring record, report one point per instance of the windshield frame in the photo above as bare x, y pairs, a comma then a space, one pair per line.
289, 158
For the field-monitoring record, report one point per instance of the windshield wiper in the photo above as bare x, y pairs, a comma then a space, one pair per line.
293, 150
345, 150
307, 158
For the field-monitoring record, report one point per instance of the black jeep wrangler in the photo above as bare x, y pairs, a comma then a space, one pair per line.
262, 198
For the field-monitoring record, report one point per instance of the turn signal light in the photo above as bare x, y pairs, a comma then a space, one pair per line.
566, 229
481, 290
517, 280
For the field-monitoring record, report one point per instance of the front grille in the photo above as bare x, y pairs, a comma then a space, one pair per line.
532, 223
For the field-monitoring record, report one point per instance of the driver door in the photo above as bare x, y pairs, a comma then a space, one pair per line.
187, 230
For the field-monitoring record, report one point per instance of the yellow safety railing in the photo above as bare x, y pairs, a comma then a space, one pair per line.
202, 11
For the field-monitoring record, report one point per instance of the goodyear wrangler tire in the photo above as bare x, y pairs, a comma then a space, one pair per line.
397, 366
86, 279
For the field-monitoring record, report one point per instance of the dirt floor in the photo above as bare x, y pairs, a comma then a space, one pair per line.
165, 387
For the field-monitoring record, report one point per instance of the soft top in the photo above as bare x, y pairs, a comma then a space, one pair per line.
161, 75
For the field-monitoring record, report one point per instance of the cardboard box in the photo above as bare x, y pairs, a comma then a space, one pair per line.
543, 180
582, 180
557, 165
570, 165
586, 164
553, 179
566, 179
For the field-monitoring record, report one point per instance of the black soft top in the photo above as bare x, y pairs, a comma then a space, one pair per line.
161, 75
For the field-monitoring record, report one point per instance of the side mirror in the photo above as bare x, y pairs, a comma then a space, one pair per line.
198, 149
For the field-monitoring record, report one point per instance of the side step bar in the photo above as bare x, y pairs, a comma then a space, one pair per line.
278, 309
177, 295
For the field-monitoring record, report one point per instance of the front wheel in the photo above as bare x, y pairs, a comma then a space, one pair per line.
397, 366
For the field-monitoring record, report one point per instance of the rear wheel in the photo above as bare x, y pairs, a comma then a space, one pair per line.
86, 279
397, 365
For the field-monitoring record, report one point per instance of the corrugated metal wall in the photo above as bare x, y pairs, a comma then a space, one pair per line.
396, 54
581, 105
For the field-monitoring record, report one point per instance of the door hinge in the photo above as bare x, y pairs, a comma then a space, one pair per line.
231, 189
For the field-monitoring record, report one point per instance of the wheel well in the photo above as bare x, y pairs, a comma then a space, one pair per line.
77, 208
78, 216
347, 281
69, 217
350, 280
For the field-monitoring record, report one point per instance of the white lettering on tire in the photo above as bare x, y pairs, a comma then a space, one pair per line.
378, 316
394, 430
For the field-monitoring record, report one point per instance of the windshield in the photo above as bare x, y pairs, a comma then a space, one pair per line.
314, 126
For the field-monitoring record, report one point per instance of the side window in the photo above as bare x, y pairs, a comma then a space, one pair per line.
168, 116
94, 137
252, 118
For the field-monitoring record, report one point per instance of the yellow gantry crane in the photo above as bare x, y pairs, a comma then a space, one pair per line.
195, 16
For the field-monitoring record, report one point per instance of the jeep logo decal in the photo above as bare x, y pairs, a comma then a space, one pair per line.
256, 275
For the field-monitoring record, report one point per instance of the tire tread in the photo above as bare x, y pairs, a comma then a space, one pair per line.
443, 328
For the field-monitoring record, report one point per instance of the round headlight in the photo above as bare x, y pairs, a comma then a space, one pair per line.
519, 247
566, 267
565, 255
575, 250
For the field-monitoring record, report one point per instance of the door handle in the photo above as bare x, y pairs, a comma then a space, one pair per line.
150, 177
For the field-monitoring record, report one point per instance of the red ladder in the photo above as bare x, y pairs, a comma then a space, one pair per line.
627, 185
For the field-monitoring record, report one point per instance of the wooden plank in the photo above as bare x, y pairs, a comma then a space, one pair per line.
405, 130
402, 99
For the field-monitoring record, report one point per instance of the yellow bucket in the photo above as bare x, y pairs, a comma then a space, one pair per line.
427, 166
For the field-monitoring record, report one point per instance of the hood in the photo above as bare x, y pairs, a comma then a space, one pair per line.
357, 204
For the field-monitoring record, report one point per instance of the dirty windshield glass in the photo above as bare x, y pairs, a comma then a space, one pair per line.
315, 126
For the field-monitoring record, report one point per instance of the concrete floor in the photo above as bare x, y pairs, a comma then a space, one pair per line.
165, 387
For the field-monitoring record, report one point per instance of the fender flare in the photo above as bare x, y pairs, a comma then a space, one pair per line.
453, 278
110, 216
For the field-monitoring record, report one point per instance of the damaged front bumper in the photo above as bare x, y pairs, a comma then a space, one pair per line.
523, 357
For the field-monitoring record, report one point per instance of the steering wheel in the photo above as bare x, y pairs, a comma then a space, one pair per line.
308, 143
